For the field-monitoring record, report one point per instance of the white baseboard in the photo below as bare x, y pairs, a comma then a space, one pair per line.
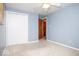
63, 45
24, 43
33, 41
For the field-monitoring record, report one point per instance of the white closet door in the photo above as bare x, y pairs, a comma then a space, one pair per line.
16, 28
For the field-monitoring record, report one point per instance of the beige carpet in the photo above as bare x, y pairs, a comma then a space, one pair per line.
42, 48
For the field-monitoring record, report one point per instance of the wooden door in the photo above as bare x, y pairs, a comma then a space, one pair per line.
40, 28
44, 27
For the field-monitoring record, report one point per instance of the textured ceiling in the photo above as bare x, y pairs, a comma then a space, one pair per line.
33, 8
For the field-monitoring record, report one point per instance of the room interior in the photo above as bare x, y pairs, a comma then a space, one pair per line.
39, 29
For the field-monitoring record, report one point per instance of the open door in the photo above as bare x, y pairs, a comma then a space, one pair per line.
42, 28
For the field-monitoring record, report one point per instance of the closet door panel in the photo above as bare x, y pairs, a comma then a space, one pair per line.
16, 28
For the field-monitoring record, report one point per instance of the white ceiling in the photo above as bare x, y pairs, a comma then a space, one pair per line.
33, 8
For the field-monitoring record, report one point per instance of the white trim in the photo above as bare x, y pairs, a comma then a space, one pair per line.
33, 41
24, 43
63, 45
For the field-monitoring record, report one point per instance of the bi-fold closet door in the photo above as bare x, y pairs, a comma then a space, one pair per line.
16, 28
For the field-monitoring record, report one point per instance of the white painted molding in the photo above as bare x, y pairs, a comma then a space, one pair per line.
33, 41
63, 45
24, 43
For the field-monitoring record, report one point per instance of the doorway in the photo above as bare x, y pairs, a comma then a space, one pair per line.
42, 28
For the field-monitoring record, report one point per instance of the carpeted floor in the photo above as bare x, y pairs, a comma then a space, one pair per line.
41, 48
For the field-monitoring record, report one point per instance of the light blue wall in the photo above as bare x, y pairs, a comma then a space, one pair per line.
33, 27
2, 39
63, 26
